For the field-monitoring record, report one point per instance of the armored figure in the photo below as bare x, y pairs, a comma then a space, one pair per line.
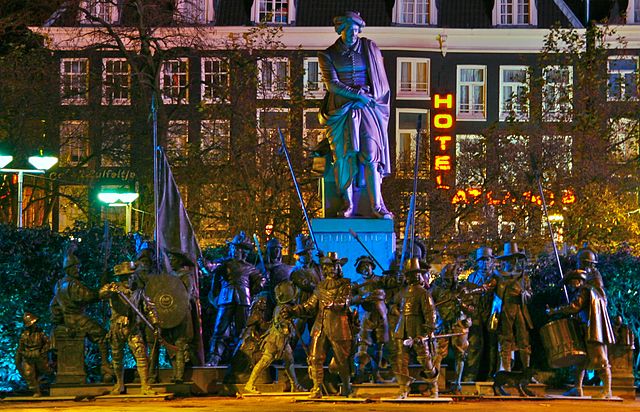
587, 260
31, 355
234, 281
512, 288
276, 270
333, 325
415, 329
126, 325
306, 276
275, 345
356, 113
590, 304
370, 295
483, 343
448, 295
70, 297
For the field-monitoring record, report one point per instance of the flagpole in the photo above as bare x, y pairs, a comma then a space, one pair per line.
156, 186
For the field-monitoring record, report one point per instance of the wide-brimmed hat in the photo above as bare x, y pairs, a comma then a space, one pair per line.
124, 269
285, 292
484, 252
511, 249
304, 243
241, 240
331, 258
365, 259
575, 274
413, 265
29, 319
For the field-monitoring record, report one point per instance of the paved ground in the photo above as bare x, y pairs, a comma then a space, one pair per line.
283, 405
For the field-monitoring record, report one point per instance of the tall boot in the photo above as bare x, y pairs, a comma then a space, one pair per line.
505, 361
579, 379
290, 371
345, 379
606, 383
105, 368
374, 190
118, 387
143, 372
215, 351
178, 369
262, 364
317, 376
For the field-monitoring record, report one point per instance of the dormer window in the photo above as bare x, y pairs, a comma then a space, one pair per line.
195, 11
98, 11
415, 12
633, 12
273, 11
515, 13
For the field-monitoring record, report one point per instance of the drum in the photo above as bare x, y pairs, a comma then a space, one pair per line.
563, 342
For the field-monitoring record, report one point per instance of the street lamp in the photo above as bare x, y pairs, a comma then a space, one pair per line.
120, 199
41, 163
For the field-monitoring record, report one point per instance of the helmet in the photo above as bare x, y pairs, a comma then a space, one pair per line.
587, 255
70, 260
29, 319
365, 259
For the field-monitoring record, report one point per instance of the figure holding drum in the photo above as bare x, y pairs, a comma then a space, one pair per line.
590, 304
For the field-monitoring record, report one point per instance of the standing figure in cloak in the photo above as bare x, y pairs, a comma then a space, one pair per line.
356, 113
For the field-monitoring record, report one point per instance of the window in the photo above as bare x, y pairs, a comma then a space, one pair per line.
515, 13
415, 12
215, 79
74, 202
215, 141
624, 139
99, 11
274, 78
623, 78
313, 131
514, 103
413, 78
313, 85
557, 93
273, 11
557, 160
174, 81
74, 81
406, 124
512, 152
74, 143
116, 144
470, 161
116, 82
269, 142
472, 98
633, 12
195, 11
214, 224
177, 142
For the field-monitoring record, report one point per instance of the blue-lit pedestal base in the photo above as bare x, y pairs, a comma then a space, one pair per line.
333, 235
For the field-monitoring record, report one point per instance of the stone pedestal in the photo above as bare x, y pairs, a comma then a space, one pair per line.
70, 350
622, 379
377, 234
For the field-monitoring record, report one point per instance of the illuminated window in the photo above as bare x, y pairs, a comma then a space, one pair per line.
215, 141
471, 103
273, 78
515, 13
116, 82
514, 88
174, 81
313, 85
74, 205
470, 161
313, 131
99, 12
624, 139
74, 81
116, 144
214, 223
195, 11
74, 143
415, 12
557, 93
215, 79
177, 142
413, 78
273, 11
623, 78
406, 125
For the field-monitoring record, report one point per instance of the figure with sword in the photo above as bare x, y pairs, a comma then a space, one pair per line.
128, 302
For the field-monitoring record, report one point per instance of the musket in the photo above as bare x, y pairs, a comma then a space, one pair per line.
425, 339
295, 184
155, 330
357, 238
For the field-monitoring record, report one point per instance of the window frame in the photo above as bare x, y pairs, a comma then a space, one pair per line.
272, 92
556, 115
633, 12
183, 152
291, 13
432, 16
95, 9
471, 116
225, 149
321, 91
82, 150
181, 98
194, 12
622, 84
204, 85
413, 94
79, 99
425, 162
497, 15
520, 115
106, 100
476, 138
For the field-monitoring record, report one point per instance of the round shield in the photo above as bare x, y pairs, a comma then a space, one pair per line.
171, 298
